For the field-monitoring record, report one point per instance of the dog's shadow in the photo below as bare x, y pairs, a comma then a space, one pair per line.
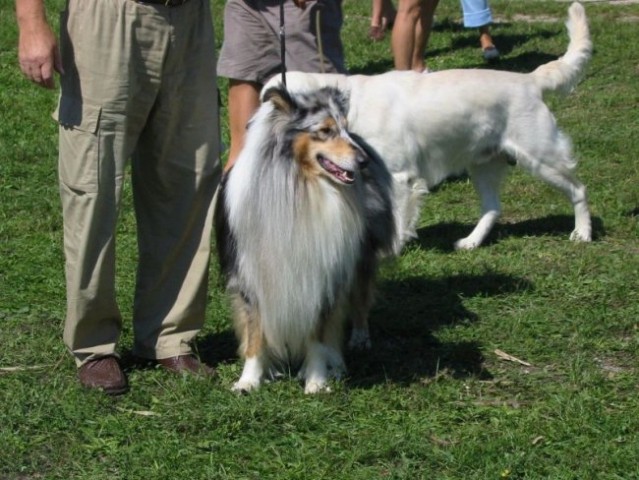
442, 236
408, 312
404, 319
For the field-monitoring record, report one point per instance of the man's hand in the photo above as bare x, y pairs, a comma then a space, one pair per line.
38, 52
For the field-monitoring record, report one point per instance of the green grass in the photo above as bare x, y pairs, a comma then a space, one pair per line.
433, 400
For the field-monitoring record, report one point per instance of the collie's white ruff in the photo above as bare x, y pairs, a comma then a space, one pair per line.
427, 127
299, 243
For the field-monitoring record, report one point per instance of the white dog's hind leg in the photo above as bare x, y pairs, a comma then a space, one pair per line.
252, 375
583, 225
576, 193
486, 178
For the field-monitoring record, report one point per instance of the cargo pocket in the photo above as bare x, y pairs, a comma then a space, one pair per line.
79, 159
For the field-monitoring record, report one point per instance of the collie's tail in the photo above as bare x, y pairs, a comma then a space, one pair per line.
563, 74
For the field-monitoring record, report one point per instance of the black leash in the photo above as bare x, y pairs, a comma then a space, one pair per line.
283, 43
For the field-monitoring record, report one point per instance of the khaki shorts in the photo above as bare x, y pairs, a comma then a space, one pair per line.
251, 47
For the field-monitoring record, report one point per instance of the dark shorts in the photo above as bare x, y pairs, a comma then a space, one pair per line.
251, 47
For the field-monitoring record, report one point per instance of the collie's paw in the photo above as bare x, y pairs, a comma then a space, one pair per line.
581, 236
360, 340
466, 244
244, 386
316, 386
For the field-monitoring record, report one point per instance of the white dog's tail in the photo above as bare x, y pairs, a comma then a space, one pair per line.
563, 74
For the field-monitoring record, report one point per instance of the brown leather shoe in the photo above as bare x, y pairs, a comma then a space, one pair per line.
104, 373
187, 364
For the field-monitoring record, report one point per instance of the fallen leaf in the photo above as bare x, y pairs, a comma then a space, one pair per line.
505, 356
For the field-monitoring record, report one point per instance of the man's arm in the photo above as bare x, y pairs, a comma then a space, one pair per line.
38, 51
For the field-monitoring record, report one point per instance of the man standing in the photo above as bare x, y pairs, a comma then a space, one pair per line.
138, 85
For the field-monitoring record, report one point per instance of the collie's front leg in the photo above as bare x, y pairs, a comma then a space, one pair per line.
315, 369
248, 327
252, 375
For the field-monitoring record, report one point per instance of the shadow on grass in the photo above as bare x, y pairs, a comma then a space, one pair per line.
213, 349
442, 236
218, 348
632, 213
402, 325
406, 314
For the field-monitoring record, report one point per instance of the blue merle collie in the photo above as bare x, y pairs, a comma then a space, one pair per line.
302, 220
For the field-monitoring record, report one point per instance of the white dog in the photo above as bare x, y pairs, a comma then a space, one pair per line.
427, 127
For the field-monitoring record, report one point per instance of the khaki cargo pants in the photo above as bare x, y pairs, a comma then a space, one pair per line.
140, 87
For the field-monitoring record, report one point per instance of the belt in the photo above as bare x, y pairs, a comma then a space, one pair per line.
166, 3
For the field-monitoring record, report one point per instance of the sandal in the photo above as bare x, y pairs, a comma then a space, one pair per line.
490, 54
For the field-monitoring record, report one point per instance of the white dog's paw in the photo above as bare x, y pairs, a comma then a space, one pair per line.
360, 339
580, 236
466, 244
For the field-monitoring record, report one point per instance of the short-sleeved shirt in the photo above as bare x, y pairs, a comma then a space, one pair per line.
251, 50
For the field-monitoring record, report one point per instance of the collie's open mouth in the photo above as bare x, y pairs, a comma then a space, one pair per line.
344, 176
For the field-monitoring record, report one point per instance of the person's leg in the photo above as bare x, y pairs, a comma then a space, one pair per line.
422, 34
243, 101
485, 39
94, 148
95, 144
175, 172
403, 36
477, 14
411, 31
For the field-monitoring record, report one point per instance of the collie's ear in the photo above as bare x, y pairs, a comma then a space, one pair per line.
341, 97
280, 98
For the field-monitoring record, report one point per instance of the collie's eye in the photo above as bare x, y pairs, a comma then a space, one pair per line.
325, 131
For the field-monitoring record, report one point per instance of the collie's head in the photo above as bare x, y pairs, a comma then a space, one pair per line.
310, 130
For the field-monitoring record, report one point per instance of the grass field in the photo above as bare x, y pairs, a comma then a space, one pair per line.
434, 399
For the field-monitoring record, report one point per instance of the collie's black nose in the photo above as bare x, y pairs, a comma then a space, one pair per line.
362, 159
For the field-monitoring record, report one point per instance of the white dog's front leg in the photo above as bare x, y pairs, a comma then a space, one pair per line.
486, 179
480, 232
252, 375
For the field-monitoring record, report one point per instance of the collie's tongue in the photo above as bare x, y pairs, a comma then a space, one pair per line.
345, 176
